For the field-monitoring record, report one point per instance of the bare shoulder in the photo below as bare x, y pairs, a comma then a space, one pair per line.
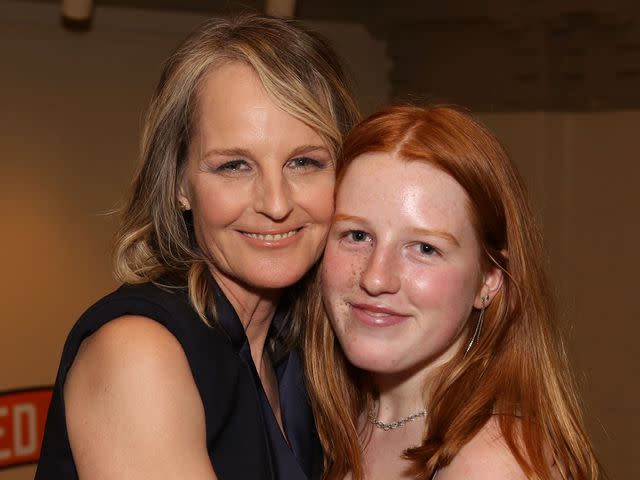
485, 457
127, 336
132, 406
123, 352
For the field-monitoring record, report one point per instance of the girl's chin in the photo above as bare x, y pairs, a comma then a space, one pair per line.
374, 362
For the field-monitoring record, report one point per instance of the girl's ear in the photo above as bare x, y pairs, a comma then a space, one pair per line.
491, 284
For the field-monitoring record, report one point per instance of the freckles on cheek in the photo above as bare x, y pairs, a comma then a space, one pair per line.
340, 280
350, 275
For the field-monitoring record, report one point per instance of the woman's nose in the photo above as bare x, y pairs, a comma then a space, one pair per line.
380, 274
273, 196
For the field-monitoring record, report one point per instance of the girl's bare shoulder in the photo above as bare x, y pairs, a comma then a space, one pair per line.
485, 457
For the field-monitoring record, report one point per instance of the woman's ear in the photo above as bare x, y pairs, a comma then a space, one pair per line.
183, 196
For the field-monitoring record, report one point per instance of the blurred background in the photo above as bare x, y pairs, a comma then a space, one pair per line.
557, 81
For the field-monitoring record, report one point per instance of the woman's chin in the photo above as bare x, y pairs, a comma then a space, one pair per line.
279, 281
267, 278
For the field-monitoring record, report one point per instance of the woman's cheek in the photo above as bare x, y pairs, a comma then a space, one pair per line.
315, 195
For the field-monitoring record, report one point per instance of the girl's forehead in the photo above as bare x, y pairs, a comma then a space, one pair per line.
410, 194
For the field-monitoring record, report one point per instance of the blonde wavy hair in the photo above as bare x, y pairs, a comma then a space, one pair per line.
301, 74
516, 371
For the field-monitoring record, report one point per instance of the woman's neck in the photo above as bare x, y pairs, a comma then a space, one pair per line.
255, 309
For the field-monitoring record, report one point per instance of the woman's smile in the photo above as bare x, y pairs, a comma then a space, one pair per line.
278, 239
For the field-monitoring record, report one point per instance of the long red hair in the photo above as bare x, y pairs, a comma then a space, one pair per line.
517, 370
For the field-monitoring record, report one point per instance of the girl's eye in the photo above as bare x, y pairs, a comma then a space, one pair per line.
307, 163
358, 236
426, 249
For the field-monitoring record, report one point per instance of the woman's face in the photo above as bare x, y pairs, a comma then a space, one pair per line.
401, 271
259, 183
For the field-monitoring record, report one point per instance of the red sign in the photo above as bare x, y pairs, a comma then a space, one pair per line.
22, 417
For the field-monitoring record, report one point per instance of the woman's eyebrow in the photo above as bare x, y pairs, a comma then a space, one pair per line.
228, 152
302, 149
243, 152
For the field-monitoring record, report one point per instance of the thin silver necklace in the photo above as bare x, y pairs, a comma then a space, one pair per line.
373, 419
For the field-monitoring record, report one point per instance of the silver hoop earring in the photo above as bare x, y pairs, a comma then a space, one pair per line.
476, 334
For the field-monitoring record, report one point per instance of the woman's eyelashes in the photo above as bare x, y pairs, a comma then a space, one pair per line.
233, 166
307, 163
227, 168
243, 167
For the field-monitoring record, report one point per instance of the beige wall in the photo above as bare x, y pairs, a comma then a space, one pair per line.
70, 109
583, 171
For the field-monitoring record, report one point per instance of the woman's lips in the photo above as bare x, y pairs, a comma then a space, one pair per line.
376, 316
272, 239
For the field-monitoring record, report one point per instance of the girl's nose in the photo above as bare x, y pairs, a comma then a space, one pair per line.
380, 274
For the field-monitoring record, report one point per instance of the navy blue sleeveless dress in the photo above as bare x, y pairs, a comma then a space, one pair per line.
243, 438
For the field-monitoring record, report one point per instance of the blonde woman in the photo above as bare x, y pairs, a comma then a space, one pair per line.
190, 369
440, 357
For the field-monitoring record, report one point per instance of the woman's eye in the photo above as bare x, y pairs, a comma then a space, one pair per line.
233, 166
306, 163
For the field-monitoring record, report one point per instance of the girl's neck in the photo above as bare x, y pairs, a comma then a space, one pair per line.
400, 396
404, 393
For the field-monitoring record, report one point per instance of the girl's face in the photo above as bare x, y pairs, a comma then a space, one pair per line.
401, 271
259, 183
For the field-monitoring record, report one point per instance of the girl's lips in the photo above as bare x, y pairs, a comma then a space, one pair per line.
376, 316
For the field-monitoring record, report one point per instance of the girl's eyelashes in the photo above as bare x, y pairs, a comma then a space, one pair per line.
426, 249
358, 236
355, 236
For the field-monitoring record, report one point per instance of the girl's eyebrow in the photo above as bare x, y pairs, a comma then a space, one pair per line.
438, 233
343, 217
